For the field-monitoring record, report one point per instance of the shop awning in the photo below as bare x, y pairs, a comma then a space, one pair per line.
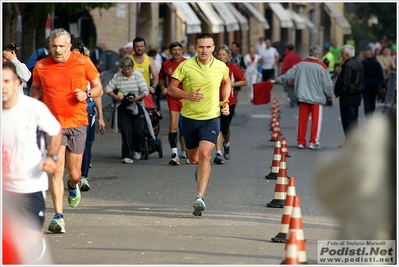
186, 14
256, 14
225, 13
282, 15
241, 19
217, 24
309, 23
300, 23
337, 17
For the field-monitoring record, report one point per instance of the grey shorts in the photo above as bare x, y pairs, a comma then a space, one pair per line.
74, 139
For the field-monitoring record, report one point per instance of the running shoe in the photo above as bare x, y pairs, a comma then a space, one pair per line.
183, 154
226, 152
218, 159
300, 146
199, 206
137, 155
314, 146
174, 160
57, 225
127, 160
74, 195
84, 184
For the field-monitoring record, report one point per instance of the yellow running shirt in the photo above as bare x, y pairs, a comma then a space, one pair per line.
144, 68
193, 75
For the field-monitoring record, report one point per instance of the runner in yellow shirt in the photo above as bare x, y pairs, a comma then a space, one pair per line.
201, 76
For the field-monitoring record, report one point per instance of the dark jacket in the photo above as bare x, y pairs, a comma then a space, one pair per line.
373, 76
350, 82
96, 53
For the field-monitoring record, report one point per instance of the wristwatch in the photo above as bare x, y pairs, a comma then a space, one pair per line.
88, 94
54, 157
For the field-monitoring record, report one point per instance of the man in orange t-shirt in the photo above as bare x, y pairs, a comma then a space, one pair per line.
60, 80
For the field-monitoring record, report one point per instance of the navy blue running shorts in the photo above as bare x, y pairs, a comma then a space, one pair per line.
198, 130
28, 207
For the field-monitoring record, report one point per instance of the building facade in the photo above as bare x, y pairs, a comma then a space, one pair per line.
300, 23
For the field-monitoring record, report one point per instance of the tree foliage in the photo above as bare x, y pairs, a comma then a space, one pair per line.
386, 15
34, 16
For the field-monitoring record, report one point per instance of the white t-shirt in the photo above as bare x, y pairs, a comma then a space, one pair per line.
269, 57
374, 46
259, 47
252, 66
21, 154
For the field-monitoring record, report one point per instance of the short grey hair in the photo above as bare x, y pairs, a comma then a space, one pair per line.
313, 50
101, 41
348, 49
126, 62
225, 48
59, 32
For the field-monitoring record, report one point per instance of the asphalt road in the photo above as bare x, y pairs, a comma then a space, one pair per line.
140, 213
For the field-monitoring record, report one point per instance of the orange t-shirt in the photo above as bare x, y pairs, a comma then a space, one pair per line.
59, 82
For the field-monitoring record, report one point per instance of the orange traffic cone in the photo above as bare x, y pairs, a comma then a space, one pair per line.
291, 255
277, 125
273, 122
276, 161
285, 220
284, 147
276, 132
273, 105
280, 190
276, 112
277, 108
297, 227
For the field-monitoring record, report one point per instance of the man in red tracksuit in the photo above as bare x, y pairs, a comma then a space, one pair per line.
289, 60
313, 87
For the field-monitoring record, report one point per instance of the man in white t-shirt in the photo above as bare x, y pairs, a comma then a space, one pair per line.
269, 58
261, 45
24, 165
375, 45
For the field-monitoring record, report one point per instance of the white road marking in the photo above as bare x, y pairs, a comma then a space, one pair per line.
261, 116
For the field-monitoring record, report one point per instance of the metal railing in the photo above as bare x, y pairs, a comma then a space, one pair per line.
390, 95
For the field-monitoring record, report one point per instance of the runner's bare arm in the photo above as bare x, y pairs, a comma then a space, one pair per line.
164, 89
173, 90
154, 73
99, 107
36, 90
226, 89
96, 88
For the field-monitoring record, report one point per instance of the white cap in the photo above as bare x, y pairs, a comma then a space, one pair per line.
128, 45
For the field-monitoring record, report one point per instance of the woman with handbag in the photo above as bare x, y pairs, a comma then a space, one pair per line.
130, 115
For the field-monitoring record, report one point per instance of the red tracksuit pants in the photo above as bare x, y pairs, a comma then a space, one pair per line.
303, 116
